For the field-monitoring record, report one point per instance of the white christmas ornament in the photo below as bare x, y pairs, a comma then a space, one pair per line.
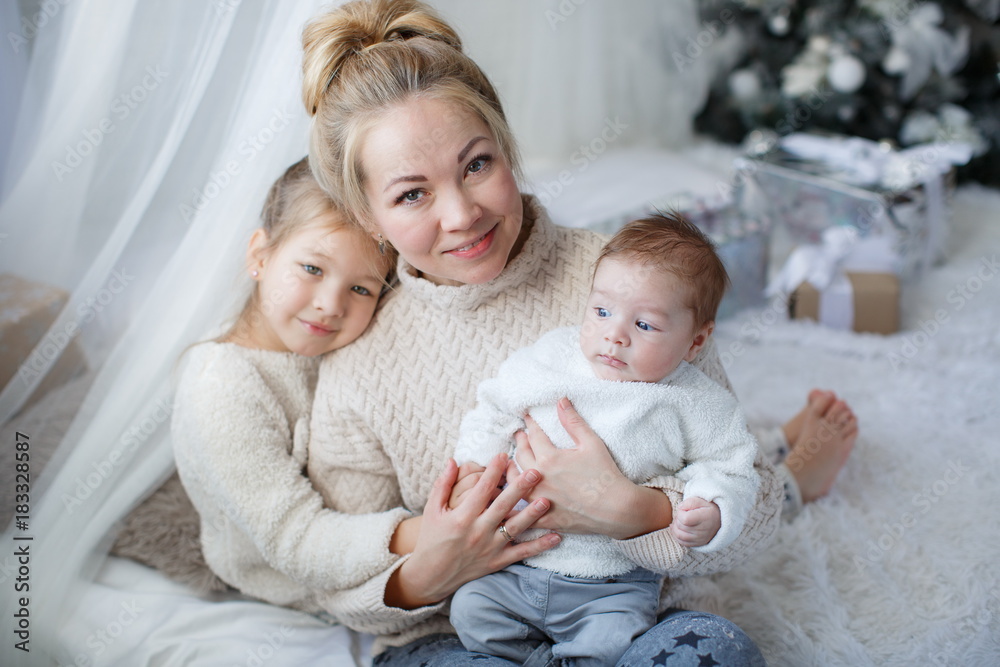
896, 61
804, 74
846, 73
744, 85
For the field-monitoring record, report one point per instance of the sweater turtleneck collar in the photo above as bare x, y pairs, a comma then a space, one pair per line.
538, 246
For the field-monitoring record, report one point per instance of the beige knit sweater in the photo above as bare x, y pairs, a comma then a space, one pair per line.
388, 409
240, 429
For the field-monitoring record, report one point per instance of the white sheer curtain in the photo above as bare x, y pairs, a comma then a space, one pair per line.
145, 139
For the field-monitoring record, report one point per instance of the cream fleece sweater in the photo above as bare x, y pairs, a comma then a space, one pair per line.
240, 430
388, 409
685, 425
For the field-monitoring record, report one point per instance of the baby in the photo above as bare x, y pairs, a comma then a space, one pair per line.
656, 288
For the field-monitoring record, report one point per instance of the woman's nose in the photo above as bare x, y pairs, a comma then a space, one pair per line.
461, 211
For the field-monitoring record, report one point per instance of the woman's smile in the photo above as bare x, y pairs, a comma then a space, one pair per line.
477, 248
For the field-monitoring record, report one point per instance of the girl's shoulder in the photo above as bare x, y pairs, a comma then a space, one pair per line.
227, 364
224, 358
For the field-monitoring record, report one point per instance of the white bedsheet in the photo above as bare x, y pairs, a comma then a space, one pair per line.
132, 615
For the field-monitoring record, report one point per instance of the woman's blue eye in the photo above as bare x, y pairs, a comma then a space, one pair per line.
479, 163
602, 312
410, 197
363, 291
312, 270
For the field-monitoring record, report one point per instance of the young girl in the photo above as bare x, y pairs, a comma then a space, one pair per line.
241, 413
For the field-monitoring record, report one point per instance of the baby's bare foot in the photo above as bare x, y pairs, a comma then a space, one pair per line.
826, 435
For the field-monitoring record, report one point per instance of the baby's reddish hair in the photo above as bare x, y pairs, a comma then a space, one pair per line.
671, 243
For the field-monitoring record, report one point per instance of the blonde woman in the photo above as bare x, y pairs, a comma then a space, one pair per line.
409, 135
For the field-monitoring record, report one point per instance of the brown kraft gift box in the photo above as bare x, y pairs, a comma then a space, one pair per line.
876, 302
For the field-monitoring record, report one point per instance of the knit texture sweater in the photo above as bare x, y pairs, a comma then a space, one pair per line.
685, 425
388, 409
240, 430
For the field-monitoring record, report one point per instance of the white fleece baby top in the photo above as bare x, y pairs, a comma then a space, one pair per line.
686, 425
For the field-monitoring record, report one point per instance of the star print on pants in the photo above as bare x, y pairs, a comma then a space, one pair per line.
661, 658
707, 661
690, 639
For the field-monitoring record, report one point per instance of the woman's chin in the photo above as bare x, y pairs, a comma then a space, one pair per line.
462, 272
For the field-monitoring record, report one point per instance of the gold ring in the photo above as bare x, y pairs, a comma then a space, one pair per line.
503, 531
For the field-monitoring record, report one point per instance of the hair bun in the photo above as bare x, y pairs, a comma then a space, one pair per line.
332, 39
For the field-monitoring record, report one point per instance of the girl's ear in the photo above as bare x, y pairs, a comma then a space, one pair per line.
256, 252
699, 340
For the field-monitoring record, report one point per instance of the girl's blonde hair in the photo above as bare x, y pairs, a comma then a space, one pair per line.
296, 201
368, 56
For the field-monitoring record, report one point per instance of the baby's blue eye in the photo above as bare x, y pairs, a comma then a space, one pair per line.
312, 270
602, 312
363, 291
643, 326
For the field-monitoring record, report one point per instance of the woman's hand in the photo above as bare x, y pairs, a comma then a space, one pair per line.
589, 493
458, 545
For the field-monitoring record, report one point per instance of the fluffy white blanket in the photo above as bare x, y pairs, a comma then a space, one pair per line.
898, 565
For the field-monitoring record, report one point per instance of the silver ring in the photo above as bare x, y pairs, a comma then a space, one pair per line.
503, 531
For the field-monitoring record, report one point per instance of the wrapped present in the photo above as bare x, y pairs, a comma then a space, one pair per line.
27, 310
847, 282
870, 303
809, 182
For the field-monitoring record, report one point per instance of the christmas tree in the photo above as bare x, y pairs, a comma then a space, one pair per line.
906, 71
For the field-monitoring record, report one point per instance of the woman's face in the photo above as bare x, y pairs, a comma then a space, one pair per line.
440, 191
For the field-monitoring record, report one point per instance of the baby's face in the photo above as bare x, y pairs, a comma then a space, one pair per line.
637, 326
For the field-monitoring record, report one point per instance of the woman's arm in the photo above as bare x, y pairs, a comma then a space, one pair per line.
455, 546
452, 547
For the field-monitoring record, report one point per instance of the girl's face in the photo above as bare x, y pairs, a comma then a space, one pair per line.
440, 191
317, 291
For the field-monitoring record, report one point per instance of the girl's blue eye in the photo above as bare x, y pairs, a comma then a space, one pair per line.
643, 326
312, 270
602, 312
363, 291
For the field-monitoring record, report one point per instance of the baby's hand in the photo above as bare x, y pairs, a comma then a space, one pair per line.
696, 522
468, 474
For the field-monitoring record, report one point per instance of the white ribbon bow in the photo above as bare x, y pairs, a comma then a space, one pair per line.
825, 266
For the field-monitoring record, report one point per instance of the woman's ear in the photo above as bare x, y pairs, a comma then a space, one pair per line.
256, 252
699, 340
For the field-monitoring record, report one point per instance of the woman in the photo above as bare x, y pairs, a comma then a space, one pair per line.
409, 134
